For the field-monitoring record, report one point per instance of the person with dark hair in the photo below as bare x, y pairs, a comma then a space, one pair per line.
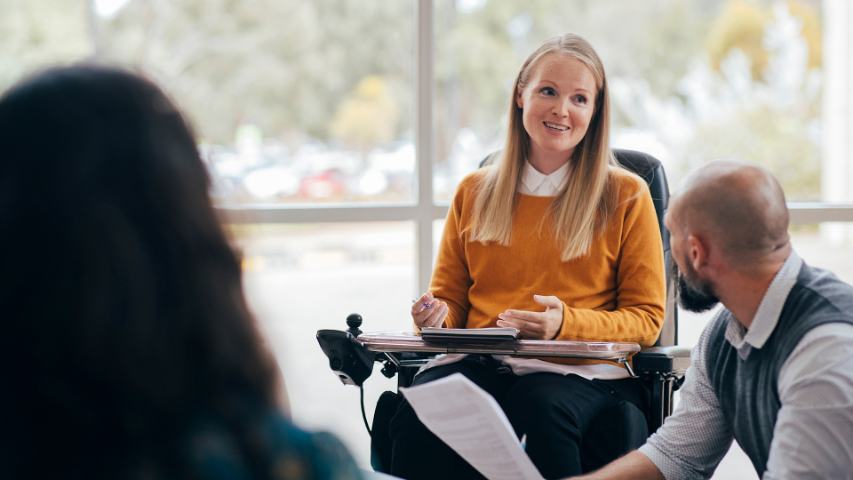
130, 349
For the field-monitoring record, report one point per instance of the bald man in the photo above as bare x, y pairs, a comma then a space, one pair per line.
774, 368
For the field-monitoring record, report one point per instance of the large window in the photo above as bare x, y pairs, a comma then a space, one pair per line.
337, 130
304, 277
690, 80
293, 101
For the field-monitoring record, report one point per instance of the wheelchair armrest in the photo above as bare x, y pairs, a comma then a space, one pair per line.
662, 369
672, 360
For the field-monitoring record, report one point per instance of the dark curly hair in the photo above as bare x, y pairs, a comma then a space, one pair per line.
121, 299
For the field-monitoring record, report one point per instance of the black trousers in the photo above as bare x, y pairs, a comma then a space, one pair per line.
554, 412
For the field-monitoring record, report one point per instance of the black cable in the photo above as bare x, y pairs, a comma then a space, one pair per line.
363, 414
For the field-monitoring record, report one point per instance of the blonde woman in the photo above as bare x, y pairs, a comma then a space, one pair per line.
556, 240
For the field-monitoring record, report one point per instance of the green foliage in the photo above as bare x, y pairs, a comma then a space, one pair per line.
366, 119
809, 15
741, 25
284, 65
776, 139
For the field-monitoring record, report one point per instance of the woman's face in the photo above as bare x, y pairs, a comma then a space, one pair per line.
557, 105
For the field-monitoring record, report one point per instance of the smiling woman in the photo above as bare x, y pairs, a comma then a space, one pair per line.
562, 82
538, 241
556, 101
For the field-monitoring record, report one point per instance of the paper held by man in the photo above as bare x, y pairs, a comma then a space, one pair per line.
472, 423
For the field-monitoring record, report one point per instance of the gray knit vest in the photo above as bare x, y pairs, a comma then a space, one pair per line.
747, 389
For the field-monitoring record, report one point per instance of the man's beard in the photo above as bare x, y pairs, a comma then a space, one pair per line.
695, 298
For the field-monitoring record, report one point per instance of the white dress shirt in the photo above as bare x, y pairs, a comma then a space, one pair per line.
813, 435
538, 184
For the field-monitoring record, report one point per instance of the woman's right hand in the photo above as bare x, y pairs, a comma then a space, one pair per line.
428, 311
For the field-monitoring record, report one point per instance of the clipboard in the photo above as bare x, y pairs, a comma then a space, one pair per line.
444, 336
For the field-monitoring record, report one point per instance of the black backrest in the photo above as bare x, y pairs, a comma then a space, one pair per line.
651, 170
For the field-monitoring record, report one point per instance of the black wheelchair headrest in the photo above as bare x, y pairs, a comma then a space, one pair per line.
651, 170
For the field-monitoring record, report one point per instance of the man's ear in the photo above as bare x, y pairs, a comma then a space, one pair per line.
697, 252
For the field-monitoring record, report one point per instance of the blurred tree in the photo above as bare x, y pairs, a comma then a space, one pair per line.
776, 139
742, 25
40, 33
366, 119
779, 115
808, 12
284, 65
739, 26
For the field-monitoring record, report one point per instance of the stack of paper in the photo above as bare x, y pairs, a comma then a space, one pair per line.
472, 423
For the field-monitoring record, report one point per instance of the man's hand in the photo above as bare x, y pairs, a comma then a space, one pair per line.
633, 466
537, 325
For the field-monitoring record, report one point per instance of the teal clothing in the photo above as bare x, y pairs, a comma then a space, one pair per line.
288, 452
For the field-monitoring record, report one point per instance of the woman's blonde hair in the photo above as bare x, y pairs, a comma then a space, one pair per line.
581, 208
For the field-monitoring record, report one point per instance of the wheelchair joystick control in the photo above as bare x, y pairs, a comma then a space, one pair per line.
349, 359
353, 322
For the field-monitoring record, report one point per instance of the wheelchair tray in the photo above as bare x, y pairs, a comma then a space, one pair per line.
394, 342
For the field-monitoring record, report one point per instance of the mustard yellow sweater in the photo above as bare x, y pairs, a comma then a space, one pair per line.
614, 293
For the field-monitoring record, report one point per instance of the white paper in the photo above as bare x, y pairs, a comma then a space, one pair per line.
472, 423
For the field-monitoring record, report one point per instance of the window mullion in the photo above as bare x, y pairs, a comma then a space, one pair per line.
424, 142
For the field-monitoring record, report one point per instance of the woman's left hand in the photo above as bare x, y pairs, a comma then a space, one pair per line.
538, 325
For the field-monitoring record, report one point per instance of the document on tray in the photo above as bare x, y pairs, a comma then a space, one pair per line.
472, 423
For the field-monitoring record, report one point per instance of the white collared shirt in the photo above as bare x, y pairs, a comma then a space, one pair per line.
538, 184
811, 438
767, 315
535, 183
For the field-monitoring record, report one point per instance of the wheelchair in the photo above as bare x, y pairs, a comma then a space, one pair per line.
660, 369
